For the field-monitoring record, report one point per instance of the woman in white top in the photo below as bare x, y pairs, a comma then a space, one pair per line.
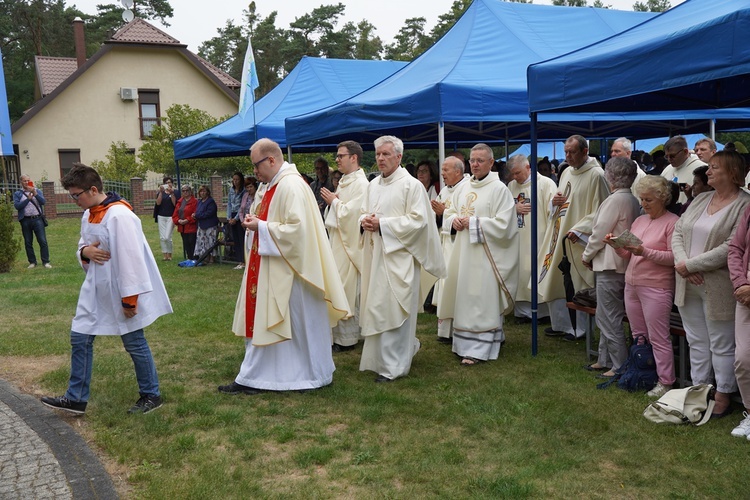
703, 290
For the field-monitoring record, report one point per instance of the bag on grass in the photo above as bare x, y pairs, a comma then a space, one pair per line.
639, 371
689, 405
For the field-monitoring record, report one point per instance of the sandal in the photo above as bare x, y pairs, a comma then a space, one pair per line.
469, 361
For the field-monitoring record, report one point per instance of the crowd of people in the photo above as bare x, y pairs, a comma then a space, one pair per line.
344, 259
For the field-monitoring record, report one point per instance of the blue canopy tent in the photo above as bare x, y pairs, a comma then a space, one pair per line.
673, 78
665, 48
473, 80
6, 142
312, 84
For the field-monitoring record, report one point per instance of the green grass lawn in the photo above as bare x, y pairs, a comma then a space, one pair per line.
519, 427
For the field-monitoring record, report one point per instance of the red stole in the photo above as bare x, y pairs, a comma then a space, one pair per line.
253, 267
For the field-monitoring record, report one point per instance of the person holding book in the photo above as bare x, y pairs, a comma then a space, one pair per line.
649, 277
614, 215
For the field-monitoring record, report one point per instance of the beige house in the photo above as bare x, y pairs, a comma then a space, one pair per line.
119, 94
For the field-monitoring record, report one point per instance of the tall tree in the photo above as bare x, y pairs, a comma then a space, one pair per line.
410, 41
29, 28
652, 6
368, 45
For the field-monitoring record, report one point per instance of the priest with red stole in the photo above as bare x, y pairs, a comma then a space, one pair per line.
291, 294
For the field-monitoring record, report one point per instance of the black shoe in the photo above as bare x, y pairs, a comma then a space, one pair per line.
381, 378
342, 348
569, 337
63, 403
445, 340
145, 404
549, 332
235, 388
592, 369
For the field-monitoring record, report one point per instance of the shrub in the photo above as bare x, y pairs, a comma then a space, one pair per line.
9, 246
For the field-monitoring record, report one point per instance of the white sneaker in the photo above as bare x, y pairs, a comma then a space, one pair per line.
48, 265
742, 430
239, 266
659, 390
31, 266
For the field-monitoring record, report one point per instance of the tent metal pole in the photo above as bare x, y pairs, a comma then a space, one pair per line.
441, 150
712, 126
507, 144
177, 172
534, 242
289, 153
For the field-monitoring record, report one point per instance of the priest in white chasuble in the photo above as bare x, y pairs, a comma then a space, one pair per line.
342, 222
399, 238
453, 174
483, 267
581, 190
293, 294
520, 188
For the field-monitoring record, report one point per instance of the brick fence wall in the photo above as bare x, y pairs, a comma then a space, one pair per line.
139, 201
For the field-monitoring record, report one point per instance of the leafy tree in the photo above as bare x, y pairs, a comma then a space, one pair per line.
368, 45
410, 41
600, 4
652, 6
9, 245
181, 120
120, 163
29, 28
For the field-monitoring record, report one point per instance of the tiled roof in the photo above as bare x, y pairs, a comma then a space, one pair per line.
225, 78
52, 71
139, 31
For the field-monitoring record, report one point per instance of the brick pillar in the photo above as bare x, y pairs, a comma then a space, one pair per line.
217, 193
50, 207
136, 190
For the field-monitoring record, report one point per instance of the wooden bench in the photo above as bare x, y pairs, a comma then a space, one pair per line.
675, 328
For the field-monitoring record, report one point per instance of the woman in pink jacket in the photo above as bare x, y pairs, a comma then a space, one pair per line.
649, 278
739, 272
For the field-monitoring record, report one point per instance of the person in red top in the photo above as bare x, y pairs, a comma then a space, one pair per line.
184, 218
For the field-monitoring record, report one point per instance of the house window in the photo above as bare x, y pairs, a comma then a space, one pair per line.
67, 158
148, 103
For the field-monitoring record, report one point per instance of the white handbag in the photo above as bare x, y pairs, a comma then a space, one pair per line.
690, 405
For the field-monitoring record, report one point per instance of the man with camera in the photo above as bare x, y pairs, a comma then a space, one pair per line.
29, 201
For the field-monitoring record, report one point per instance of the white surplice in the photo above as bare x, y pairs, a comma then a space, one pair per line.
408, 240
342, 221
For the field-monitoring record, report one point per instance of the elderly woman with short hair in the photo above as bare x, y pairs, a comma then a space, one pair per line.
614, 215
649, 278
703, 290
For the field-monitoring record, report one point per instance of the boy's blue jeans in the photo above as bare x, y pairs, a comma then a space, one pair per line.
82, 360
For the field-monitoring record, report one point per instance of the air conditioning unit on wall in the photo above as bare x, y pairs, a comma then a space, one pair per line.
128, 93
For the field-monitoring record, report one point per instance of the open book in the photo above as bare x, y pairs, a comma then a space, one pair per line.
626, 239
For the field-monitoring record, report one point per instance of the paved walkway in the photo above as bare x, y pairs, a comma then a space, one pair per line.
41, 456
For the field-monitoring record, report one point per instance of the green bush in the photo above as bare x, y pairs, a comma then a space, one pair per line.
9, 246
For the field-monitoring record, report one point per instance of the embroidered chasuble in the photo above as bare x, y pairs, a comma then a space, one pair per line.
586, 189
546, 189
483, 267
298, 250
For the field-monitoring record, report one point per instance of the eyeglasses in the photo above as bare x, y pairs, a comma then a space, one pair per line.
257, 164
669, 156
76, 195
338, 157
